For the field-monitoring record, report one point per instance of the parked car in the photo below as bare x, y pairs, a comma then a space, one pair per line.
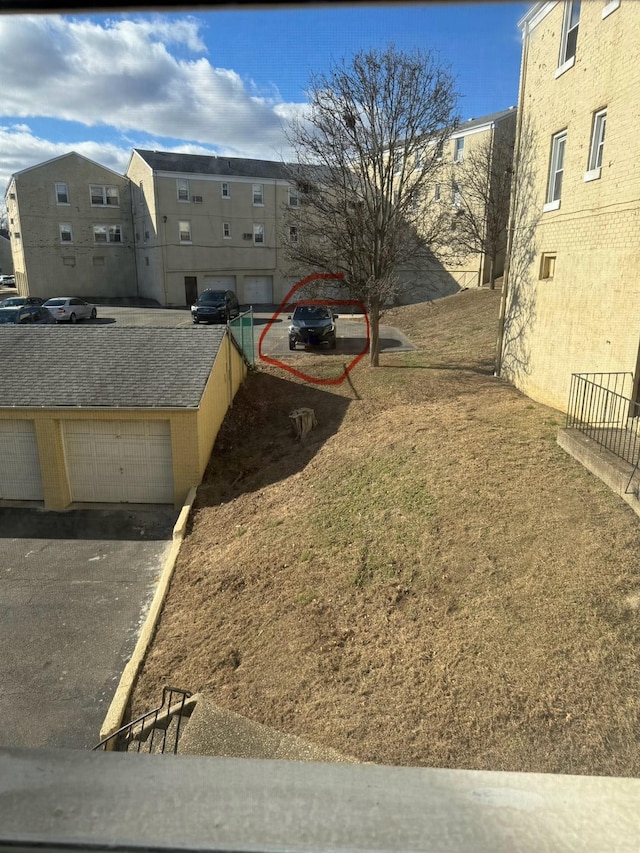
37, 314
7, 281
312, 324
215, 306
14, 301
70, 308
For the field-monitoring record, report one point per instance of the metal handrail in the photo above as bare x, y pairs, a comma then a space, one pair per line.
142, 730
599, 408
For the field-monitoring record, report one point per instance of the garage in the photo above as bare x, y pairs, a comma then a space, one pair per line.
20, 477
258, 290
119, 461
220, 282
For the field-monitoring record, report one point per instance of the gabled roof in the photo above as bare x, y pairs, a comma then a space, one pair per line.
106, 367
203, 164
62, 157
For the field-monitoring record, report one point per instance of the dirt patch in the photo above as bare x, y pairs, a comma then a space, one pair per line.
427, 580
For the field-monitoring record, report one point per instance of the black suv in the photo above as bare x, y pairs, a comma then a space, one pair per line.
312, 324
215, 306
25, 314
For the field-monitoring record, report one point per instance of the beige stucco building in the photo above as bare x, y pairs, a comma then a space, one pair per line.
476, 142
203, 221
70, 230
573, 291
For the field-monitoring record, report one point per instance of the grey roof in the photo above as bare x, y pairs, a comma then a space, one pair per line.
94, 366
201, 164
488, 119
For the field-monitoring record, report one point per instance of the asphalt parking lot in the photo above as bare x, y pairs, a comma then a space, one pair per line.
76, 587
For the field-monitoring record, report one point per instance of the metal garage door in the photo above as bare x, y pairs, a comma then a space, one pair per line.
258, 290
20, 477
119, 461
220, 282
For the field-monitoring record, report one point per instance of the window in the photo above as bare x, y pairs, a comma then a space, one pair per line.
226, 230
109, 196
417, 160
547, 265
294, 199
107, 234
258, 194
436, 192
556, 170
439, 150
66, 235
458, 150
184, 230
146, 236
62, 193
569, 35
258, 234
141, 194
225, 190
597, 145
182, 188
456, 193
146, 262
293, 234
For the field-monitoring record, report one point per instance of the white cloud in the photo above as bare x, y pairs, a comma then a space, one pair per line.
19, 149
122, 74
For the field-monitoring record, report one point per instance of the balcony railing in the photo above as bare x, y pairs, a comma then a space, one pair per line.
601, 407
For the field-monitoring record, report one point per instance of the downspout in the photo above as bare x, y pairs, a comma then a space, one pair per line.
514, 191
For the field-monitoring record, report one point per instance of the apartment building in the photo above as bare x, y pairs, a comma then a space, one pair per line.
473, 182
70, 227
209, 222
573, 287
176, 224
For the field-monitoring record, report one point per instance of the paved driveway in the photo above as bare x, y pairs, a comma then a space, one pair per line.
75, 587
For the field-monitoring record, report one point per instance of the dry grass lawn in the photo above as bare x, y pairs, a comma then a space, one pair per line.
427, 580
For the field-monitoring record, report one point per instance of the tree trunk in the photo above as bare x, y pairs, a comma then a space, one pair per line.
492, 273
374, 323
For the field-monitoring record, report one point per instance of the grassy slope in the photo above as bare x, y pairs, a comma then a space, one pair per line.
427, 580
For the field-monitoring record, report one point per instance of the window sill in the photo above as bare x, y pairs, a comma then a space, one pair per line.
186, 242
258, 204
551, 205
565, 67
609, 8
63, 203
592, 174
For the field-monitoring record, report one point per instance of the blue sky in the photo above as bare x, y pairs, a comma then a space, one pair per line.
220, 81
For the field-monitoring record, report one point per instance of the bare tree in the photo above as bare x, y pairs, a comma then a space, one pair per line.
367, 152
482, 185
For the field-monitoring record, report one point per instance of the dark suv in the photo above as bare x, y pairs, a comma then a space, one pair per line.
312, 324
215, 306
25, 314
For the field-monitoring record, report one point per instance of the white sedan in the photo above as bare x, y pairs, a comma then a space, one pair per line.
70, 308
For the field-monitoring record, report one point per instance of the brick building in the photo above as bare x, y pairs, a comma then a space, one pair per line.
572, 302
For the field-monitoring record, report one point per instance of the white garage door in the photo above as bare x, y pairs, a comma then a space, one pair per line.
220, 282
119, 461
20, 477
258, 290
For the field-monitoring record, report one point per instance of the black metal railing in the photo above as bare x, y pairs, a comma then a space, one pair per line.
155, 731
601, 407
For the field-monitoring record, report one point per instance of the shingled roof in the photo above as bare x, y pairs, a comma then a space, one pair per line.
104, 367
201, 164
